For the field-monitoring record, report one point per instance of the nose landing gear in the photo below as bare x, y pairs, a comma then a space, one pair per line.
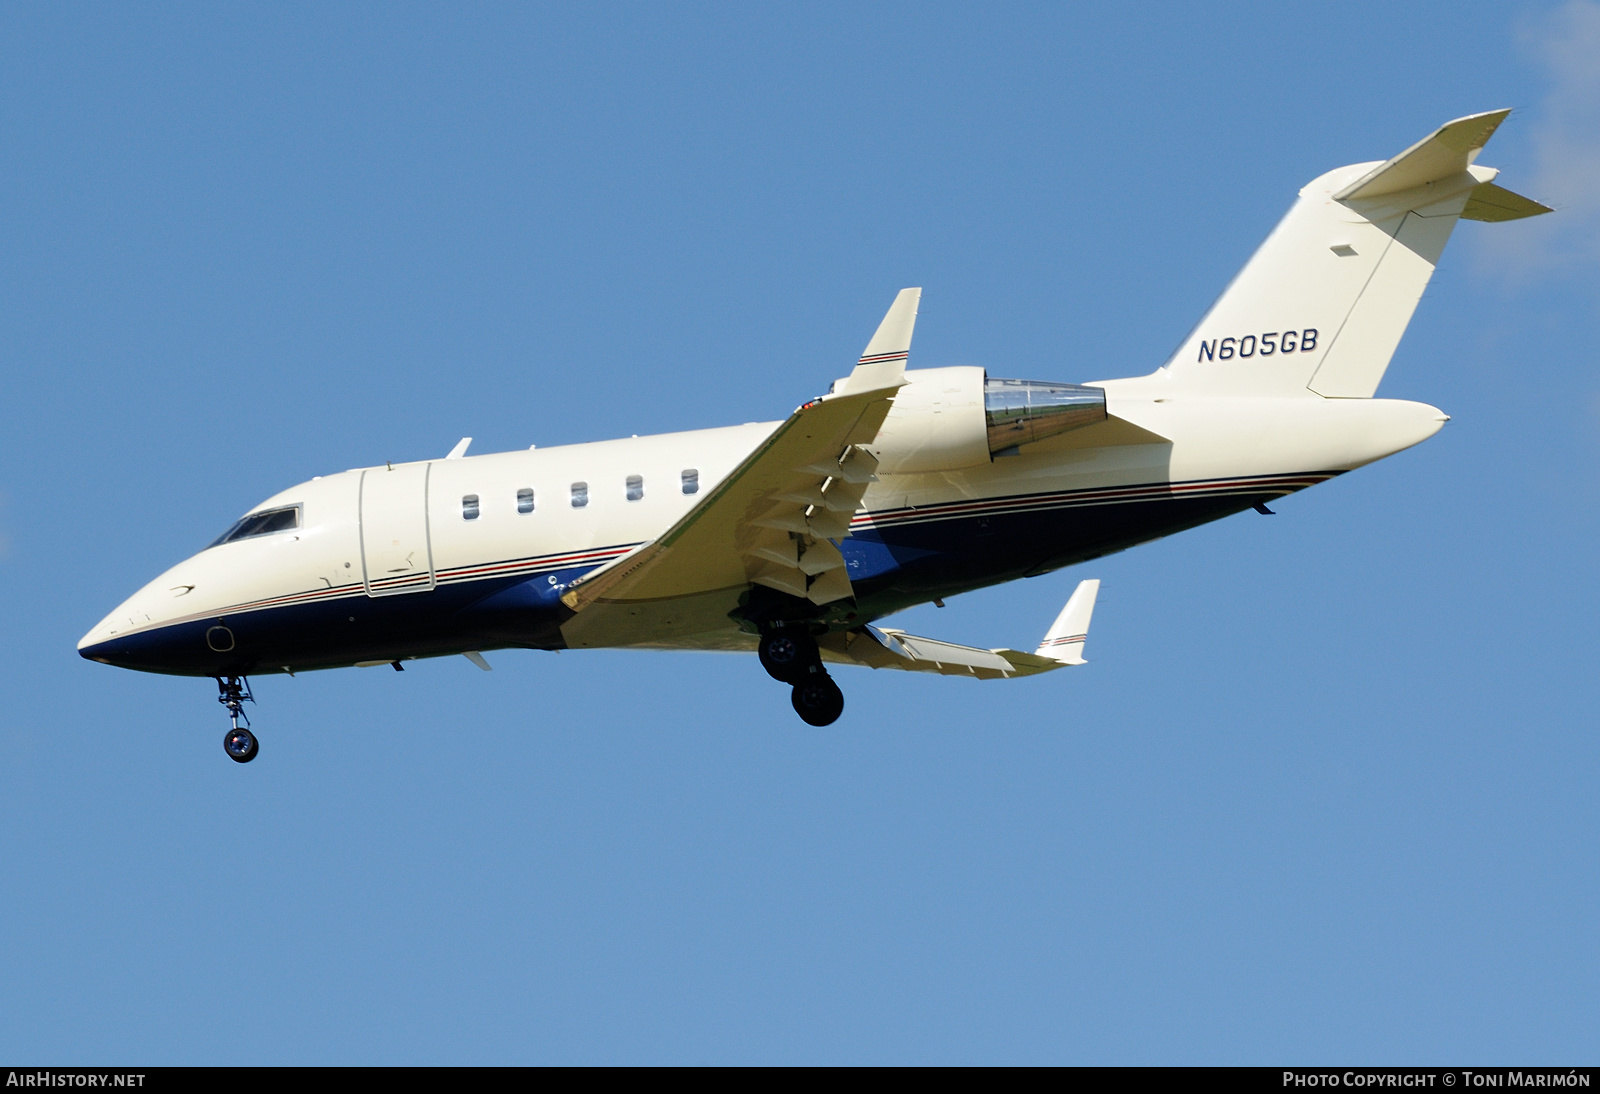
790, 655
239, 743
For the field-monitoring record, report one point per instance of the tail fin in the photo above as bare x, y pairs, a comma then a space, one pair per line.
1321, 305
1064, 640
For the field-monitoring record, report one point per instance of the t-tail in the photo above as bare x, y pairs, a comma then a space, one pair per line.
1320, 307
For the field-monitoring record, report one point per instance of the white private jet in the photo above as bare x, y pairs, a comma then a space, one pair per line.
896, 488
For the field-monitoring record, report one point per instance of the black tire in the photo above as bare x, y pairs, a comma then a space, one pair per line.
240, 745
817, 700
786, 654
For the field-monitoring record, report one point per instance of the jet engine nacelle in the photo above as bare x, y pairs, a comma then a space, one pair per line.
947, 419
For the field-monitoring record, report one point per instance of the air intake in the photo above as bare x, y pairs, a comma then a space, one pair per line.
1020, 412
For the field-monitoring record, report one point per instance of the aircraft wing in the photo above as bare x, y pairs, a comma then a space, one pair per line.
886, 648
770, 522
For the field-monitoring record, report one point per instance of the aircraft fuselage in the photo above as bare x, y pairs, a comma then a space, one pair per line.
446, 556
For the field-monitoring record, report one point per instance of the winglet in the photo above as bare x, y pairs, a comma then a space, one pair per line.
883, 364
1064, 641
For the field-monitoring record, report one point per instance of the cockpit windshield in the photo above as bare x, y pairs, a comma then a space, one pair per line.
263, 523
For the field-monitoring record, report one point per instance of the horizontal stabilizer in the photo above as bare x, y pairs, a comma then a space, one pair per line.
1495, 203
1448, 150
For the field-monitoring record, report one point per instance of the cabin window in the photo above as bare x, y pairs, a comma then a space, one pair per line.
635, 487
265, 523
580, 495
691, 481
469, 507
525, 500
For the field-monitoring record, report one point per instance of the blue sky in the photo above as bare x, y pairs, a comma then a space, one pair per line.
1326, 791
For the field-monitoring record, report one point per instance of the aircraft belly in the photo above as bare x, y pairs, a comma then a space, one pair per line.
970, 552
698, 621
908, 556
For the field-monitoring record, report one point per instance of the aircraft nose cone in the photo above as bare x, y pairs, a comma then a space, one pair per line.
164, 626
97, 645
111, 649
129, 638
180, 649
90, 651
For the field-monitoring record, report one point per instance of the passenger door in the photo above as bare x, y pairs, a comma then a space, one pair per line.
396, 552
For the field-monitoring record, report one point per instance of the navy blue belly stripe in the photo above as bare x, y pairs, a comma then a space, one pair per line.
1068, 499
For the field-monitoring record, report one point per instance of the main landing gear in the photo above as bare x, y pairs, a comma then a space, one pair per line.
790, 655
239, 743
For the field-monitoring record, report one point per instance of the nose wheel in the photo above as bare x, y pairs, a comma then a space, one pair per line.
239, 743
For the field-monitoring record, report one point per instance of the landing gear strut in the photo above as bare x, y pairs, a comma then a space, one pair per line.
240, 744
790, 655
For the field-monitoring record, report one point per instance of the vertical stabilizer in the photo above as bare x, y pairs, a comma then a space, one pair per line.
1321, 306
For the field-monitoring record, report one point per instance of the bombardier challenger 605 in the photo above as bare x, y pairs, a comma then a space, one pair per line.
898, 487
